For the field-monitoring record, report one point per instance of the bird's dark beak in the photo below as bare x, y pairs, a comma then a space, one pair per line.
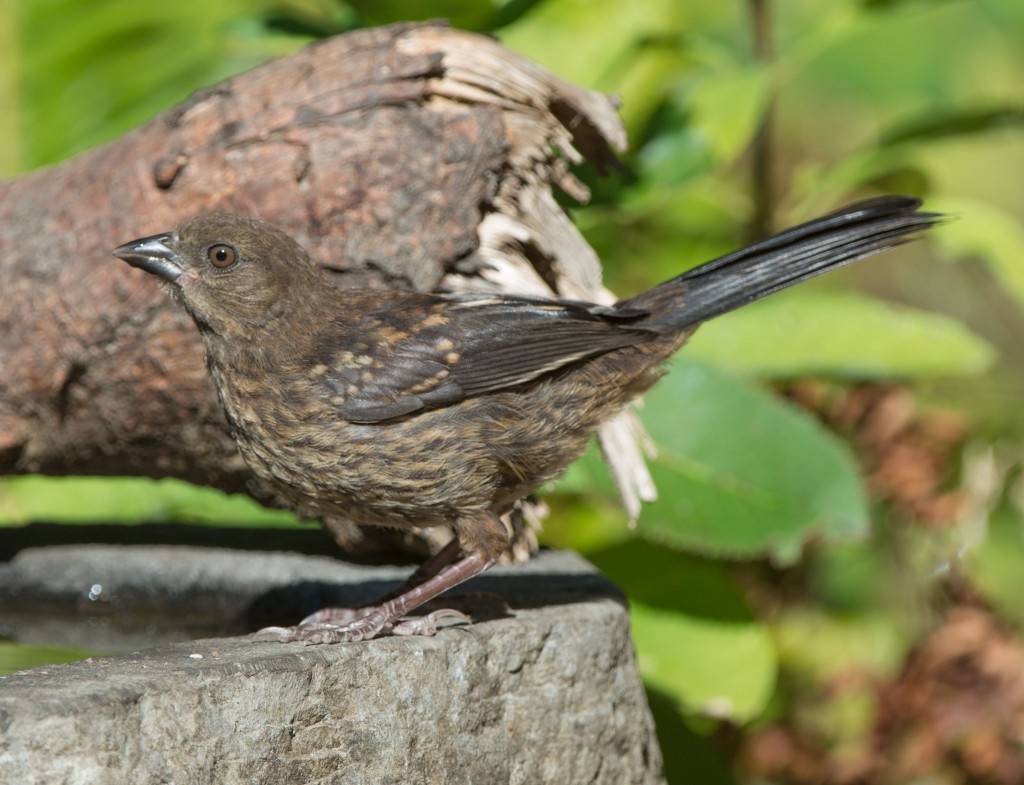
152, 254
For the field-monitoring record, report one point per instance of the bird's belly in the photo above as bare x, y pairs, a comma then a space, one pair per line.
428, 469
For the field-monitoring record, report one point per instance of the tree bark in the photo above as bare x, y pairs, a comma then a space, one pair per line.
407, 156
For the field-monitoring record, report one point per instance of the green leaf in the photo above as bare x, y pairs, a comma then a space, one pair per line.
741, 473
644, 81
93, 70
466, 14
670, 580
697, 641
590, 41
983, 230
954, 122
817, 647
727, 108
16, 657
995, 565
672, 159
126, 500
841, 333
720, 669
851, 577
832, 669
719, 112
10, 98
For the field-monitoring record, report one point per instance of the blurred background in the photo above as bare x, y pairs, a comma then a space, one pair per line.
828, 589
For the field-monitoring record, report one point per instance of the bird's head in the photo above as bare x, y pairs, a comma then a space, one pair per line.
234, 275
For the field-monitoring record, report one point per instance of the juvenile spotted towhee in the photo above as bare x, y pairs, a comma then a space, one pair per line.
406, 409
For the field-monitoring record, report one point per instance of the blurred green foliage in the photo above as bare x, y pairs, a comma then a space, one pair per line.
845, 98
741, 474
127, 500
14, 657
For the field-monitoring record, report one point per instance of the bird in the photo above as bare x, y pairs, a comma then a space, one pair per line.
412, 409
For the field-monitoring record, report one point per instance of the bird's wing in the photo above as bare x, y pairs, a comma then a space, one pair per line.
456, 346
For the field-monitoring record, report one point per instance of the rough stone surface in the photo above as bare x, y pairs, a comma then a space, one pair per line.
548, 692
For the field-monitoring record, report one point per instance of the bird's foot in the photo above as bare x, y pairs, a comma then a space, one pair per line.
427, 624
472, 604
337, 616
347, 625
342, 625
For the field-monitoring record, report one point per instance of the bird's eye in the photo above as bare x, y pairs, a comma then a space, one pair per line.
221, 256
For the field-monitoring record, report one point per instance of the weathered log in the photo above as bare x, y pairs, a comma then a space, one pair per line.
411, 155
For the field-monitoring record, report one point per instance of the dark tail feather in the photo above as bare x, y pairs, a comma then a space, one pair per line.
726, 283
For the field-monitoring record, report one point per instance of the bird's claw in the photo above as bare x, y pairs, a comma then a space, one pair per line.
427, 625
359, 625
337, 616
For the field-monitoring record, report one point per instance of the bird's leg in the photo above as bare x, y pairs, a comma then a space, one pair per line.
431, 567
482, 538
386, 616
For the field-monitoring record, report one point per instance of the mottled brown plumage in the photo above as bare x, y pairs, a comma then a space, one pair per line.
407, 409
